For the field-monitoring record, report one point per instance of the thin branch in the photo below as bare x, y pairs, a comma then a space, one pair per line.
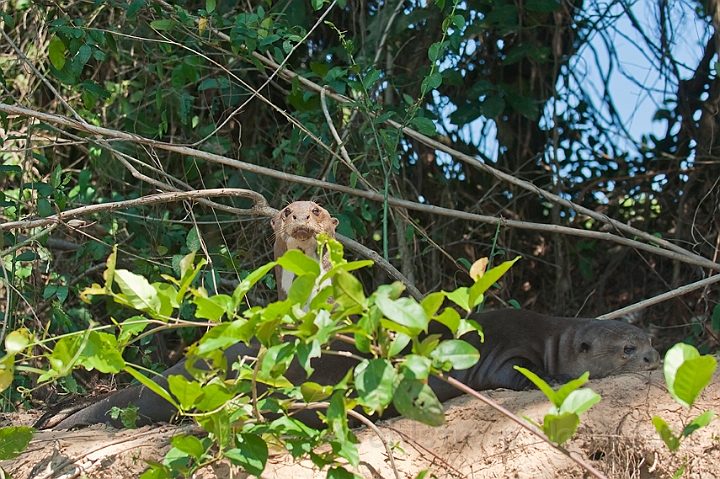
261, 207
501, 175
662, 297
362, 419
680, 254
524, 424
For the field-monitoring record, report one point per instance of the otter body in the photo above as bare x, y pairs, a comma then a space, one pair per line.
555, 348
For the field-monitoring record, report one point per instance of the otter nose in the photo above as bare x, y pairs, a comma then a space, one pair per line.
652, 359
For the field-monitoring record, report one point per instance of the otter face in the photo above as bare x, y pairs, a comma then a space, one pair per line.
612, 347
303, 221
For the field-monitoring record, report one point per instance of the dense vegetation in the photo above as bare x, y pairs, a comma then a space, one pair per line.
474, 112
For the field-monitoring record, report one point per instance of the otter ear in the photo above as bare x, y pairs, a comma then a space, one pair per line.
584, 347
272, 223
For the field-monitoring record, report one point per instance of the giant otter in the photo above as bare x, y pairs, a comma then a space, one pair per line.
552, 347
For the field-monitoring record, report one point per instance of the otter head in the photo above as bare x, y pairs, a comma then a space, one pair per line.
606, 347
298, 224
296, 227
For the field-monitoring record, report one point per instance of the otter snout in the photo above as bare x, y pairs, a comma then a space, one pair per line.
651, 359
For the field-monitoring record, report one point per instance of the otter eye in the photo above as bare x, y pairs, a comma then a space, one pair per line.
316, 211
584, 347
629, 350
286, 212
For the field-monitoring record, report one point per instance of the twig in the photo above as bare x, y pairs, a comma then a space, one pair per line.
362, 419
261, 207
343, 152
524, 424
365, 252
496, 173
662, 297
686, 256
411, 440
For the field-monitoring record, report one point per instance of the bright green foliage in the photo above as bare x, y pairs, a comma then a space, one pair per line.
563, 418
387, 326
686, 373
128, 415
14, 440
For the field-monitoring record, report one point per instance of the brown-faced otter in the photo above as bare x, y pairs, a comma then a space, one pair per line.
296, 226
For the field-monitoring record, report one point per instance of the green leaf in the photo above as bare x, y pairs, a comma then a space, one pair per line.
314, 392
415, 400
251, 453
431, 82
560, 428
432, 302
434, 50
404, 311
374, 381
567, 388
424, 125
250, 281
186, 392
214, 396
210, 5
579, 401
17, 341
461, 297
192, 241
339, 472
101, 353
416, 366
492, 106
189, 445
152, 385
276, 360
666, 433
132, 327
163, 24
371, 77
460, 353
138, 292
14, 440
475, 295
450, 318
44, 208
715, 318
541, 385
301, 289
209, 308
350, 288
63, 354
700, 421
687, 373
7, 371
56, 52
299, 263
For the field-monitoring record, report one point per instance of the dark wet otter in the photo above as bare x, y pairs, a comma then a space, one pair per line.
552, 347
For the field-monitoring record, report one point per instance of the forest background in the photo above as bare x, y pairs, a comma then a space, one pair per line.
467, 129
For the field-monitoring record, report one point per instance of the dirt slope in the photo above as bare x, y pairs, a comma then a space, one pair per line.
616, 436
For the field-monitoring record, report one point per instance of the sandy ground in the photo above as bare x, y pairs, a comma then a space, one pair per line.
616, 437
